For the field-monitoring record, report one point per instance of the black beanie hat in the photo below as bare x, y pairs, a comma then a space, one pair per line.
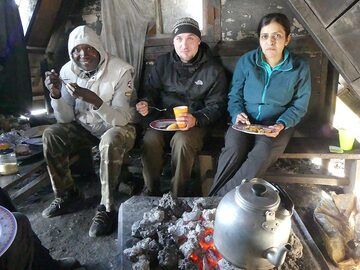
186, 25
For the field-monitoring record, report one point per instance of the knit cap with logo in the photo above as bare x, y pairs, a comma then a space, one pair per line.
186, 25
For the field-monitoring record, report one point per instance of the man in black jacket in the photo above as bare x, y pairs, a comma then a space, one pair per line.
188, 76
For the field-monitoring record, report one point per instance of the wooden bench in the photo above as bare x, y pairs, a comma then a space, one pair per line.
298, 148
35, 171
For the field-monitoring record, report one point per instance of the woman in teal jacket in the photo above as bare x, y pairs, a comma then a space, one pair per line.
270, 86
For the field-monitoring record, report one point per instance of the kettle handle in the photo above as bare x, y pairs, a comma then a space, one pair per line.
285, 199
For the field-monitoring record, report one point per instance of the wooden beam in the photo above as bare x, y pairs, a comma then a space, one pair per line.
306, 179
352, 171
43, 23
32, 187
329, 155
25, 171
335, 53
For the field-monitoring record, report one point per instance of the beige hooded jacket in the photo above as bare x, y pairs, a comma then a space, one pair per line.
112, 82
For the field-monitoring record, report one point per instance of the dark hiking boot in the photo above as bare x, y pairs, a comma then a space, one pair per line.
103, 222
69, 263
61, 205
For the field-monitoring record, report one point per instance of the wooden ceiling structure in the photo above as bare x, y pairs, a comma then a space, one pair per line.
48, 16
335, 26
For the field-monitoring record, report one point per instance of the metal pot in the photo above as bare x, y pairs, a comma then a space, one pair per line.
253, 225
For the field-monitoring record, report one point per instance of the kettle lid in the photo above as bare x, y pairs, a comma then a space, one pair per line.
257, 194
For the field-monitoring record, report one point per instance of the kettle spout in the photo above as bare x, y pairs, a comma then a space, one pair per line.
276, 256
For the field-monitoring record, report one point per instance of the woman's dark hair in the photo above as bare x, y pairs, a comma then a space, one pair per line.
275, 17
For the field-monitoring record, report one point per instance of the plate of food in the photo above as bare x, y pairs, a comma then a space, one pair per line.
252, 129
8, 228
165, 125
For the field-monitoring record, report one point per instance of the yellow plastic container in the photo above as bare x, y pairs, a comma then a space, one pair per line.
346, 139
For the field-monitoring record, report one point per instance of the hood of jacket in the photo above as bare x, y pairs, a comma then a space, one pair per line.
85, 35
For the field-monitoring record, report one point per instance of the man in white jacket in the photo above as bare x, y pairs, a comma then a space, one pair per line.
93, 102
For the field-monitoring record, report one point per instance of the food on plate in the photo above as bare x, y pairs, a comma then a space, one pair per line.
4, 146
172, 126
22, 149
257, 129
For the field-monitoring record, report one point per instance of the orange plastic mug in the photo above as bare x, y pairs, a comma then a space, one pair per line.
177, 112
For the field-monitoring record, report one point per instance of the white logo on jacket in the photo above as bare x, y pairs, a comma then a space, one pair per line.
199, 82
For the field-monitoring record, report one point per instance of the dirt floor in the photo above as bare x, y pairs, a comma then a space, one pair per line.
67, 235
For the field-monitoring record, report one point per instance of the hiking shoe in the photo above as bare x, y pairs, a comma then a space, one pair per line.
68, 263
60, 205
103, 223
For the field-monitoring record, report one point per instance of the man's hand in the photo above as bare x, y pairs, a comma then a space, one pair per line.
275, 130
143, 108
188, 118
53, 83
242, 118
86, 95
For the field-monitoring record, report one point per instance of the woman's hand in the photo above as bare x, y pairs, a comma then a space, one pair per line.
242, 118
143, 108
86, 95
275, 130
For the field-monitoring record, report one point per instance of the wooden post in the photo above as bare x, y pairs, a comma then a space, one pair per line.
158, 14
352, 171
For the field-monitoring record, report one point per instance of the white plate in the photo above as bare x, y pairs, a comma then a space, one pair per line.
252, 129
162, 124
8, 228
34, 141
35, 131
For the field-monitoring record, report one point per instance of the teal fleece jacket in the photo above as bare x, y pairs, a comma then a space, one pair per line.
270, 96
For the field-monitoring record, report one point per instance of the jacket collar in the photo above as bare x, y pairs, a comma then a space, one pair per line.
284, 65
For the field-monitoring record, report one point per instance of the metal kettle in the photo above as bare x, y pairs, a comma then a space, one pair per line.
253, 225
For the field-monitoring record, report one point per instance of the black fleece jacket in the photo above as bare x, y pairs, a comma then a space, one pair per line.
200, 84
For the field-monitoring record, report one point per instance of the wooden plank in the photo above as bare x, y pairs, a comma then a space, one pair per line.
345, 32
9, 181
328, 10
355, 85
316, 147
32, 187
352, 171
306, 179
43, 23
335, 53
320, 155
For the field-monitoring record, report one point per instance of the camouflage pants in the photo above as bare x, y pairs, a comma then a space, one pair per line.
62, 140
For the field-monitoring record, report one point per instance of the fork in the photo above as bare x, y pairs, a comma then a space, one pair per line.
68, 86
160, 110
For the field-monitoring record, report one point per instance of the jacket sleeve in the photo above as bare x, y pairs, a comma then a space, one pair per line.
121, 110
299, 104
215, 102
236, 93
153, 85
5, 201
64, 106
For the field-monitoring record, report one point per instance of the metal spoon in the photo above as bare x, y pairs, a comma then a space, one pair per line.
160, 110
68, 85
